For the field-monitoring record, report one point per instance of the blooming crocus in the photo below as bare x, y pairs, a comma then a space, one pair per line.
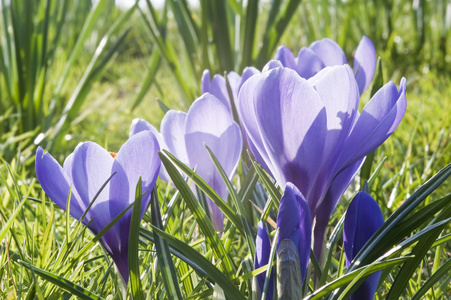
325, 53
262, 252
310, 133
83, 174
363, 218
208, 122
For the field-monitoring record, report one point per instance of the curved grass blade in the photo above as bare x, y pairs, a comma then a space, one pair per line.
165, 262
63, 283
348, 277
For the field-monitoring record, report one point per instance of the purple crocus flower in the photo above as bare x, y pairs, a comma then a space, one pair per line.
262, 253
363, 218
310, 133
294, 223
325, 53
208, 122
83, 174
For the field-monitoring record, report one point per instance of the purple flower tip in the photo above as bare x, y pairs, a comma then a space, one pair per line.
294, 223
363, 219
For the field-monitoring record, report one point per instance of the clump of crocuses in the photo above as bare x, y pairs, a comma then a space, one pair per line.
363, 218
83, 174
310, 132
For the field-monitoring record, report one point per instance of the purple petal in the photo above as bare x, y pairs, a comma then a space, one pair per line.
137, 158
329, 51
339, 92
363, 219
272, 64
292, 122
262, 252
217, 86
90, 170
376, 123
364, 63
308, 63
286, 57
209, 122
246, 114
139, 125
236, 81
294, 223
57, 184
173, 132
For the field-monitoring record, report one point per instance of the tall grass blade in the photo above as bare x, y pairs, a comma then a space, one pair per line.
165, 262
133, 245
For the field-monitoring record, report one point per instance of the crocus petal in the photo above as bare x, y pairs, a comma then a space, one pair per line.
217, 86
286, 57
133, 161
364, 63
90, 172
329, 51
139, 125
236, 81
294, 223
209, 122
272, 64
173, 132
363, 219
137, 158
339, 92
262, 251
308, 63
282, 102
57, 184
376, 123
246, 113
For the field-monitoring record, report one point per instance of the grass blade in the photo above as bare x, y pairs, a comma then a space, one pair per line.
165, 262
133, 244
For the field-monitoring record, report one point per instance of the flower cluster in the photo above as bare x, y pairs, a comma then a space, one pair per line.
300, 119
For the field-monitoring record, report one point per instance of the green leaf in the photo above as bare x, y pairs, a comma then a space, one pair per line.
442, 271
63, 283
199, 214
348, 277
201, 262
372, 248
165, 262
419, 251
238, 204
133, 244
225, 208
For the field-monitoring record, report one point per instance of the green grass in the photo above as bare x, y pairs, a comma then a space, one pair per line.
45, 254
